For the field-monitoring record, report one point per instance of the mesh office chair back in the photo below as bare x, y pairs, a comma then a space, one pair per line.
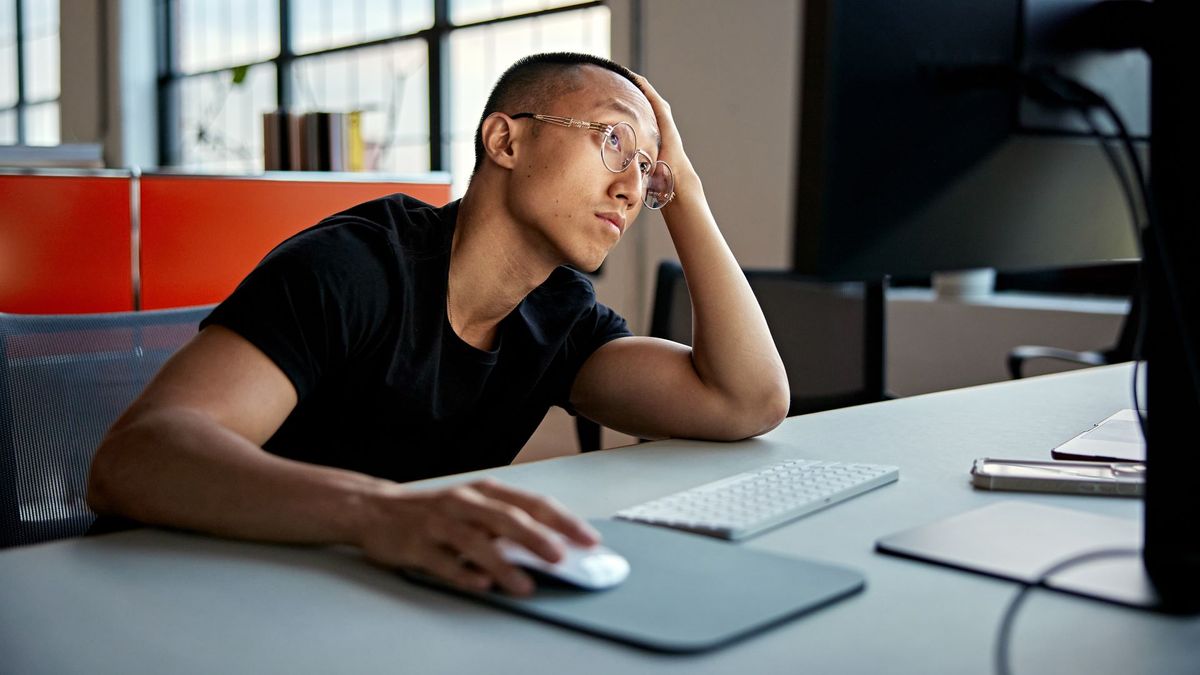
63, 381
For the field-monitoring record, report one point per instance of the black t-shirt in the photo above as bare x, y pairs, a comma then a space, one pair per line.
353, 311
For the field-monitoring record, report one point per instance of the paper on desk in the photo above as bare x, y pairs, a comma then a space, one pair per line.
1117, 439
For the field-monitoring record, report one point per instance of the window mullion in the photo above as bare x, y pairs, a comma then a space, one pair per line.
170, 146
439, 71
284, 96
20, 37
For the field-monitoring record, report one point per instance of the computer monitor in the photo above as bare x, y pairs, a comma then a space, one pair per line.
920, 152
1172, 504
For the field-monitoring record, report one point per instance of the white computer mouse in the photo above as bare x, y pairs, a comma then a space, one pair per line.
591, 567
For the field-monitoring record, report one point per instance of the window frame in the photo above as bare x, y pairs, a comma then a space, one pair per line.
437, 41
22, 104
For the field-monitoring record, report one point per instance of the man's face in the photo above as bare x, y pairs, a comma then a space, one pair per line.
561, 188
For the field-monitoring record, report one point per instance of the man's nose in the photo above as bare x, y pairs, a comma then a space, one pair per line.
628, 184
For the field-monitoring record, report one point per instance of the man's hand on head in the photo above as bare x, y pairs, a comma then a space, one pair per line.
451, 533
731, 383
672, 144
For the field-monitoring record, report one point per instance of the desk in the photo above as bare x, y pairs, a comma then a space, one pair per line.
155, 601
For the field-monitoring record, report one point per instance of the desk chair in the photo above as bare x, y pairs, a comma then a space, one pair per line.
829, 335
63, 381
1118, 353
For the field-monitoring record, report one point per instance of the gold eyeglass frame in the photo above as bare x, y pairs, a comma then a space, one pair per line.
607, 129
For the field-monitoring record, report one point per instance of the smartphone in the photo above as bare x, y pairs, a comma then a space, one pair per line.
1127, 479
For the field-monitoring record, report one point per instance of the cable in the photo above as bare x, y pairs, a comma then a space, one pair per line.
1048, 86
1140, 284
1175, 298
1136, 215
1004, 635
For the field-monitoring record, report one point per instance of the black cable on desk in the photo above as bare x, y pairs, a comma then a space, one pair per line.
1004, 636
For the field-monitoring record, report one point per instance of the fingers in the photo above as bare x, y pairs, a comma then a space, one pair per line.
651, 93
476, 547
672, 145
544, 509
645, 85
451, 533
502, 519
447, 566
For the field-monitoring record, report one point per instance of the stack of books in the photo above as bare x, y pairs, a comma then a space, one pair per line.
314, 141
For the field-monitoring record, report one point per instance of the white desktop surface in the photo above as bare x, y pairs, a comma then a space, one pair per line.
157, 601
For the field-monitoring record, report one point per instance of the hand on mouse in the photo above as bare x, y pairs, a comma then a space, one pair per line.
450, 533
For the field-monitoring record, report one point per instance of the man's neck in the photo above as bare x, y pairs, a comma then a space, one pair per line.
493, 266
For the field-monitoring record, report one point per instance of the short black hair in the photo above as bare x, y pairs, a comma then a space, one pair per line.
529, 84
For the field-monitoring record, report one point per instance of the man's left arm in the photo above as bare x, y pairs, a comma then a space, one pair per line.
731, 383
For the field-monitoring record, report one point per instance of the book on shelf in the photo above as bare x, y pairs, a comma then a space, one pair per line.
313, 141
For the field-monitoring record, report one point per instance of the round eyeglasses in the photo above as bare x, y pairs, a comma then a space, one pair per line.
619, 149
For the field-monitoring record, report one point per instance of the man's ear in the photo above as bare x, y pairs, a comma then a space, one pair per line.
499, 139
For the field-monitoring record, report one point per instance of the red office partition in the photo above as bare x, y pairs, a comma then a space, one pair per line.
201, 235
65, 243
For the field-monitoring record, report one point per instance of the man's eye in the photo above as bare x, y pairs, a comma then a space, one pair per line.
645, 167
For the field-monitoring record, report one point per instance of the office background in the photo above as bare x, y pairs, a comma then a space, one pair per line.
730, 71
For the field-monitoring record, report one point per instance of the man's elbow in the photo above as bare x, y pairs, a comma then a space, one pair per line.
109, 470
99, 482
773, 411
760, 414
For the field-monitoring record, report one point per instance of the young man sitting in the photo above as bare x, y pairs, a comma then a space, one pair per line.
398, 341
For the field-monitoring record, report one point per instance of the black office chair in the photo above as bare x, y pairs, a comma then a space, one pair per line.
1118, 353
829, 335
63, 381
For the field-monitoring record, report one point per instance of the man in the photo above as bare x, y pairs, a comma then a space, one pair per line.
396, 341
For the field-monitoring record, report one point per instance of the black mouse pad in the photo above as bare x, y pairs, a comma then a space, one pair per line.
685, 592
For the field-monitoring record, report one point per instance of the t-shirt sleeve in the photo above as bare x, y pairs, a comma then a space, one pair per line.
598, 326
309, 304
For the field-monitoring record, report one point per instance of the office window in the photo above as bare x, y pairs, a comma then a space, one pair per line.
478, 56
220, 119
323, 24
471, 11
389, 84
229, 61
41, 124
29, 72
8, 127
216, 34
8, 72
222, 56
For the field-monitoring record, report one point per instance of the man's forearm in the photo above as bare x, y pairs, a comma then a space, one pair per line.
180, 468
732, 347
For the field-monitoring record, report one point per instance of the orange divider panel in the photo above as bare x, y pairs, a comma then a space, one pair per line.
202, 235
64, 244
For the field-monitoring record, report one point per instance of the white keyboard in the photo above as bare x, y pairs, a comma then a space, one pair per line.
748, 503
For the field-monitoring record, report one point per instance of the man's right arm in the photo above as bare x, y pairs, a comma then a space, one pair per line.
188, 453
